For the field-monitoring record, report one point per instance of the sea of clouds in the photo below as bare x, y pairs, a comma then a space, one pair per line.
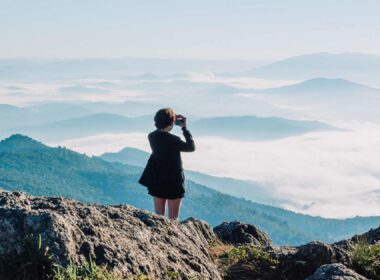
330, 174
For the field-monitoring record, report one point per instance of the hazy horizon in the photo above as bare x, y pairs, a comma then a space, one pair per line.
263, 61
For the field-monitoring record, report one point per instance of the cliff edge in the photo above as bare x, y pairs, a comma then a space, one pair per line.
136, 243
126, 239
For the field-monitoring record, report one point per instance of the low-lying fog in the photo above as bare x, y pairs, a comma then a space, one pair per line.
331, 174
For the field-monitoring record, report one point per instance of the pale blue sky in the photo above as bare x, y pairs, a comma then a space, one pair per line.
214, 29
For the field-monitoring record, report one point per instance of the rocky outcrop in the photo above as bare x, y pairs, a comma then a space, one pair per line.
370, 237
135, 242
335, 271
293, 263
299, 262
303, 260
239, 233
126, 239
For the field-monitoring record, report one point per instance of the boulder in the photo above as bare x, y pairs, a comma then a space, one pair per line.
335, 271
128, 240
302, 261
239, 233
318, 253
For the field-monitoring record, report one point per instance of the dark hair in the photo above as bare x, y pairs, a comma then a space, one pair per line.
164, 117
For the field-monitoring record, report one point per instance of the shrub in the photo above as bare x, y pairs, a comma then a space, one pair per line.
88, 271
366, 259
247, 254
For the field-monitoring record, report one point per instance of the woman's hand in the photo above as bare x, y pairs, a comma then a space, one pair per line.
183, 123
183, 120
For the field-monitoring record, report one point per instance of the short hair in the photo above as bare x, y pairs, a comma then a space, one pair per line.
164, 117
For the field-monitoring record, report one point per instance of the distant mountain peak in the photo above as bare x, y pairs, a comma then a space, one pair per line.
335, 53
323, 84
17, 137
360, 67
334, 81
19, 142
324, 79
328, 55
131, 149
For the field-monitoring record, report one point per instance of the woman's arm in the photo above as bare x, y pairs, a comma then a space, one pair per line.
189, 145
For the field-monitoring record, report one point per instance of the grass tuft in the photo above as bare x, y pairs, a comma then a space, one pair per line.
227, 255
34, 262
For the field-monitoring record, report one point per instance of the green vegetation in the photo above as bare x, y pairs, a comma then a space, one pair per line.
366, 259
246, 254
89, 271
41, 170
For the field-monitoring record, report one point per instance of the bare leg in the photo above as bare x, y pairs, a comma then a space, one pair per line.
174, 206
159, 205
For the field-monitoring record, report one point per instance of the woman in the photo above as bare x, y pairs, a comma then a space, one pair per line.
163, 174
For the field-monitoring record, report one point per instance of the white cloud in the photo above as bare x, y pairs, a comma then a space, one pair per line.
241, 82
31, 93
99, 144
332, 174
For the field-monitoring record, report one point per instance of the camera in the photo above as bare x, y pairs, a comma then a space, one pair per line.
178, 120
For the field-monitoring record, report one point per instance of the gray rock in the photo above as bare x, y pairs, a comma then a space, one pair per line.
239, 233
318, 253
335, 271
127, 239
299, 262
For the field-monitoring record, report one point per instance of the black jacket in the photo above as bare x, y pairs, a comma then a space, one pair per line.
163, 175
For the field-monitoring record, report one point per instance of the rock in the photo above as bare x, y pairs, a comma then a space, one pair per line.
335, 271
133, 241
250, 271
318, 253
239, 233
302, 261
127, 239
371, 237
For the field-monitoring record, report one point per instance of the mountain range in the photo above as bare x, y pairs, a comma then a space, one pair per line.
29, 165
255, 128
254, 191
331, 87
243, 128
326, 86
326, 98
47, 112
359, 67
101, 68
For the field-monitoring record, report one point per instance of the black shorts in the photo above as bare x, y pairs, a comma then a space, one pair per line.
167, 195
